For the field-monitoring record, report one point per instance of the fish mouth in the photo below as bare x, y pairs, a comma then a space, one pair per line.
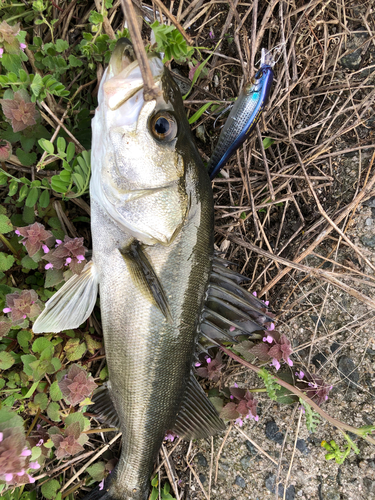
123, 78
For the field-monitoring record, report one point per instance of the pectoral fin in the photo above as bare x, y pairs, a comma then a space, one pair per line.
72, 304
145, 277
197, 417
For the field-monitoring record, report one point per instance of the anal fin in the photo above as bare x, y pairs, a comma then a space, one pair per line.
72, 304
197, 417
104, 407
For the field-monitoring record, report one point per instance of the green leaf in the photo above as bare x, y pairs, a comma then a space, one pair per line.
44, 198
28, 263
74, 62
6, 261
36, 85
26, 159
46, 146
74, 350
41, 400
199, 113
49, 489
59, 185
36, 451
97, 471
61, 45
53, 412
61, 144
32, 197
70, 151
40, 344
95, 17
13, 187
84, 422
23, 338
11, 62
23, 192
5, 225
6, 360
267, 142
53, 277
27, 359
27, 143
54, 392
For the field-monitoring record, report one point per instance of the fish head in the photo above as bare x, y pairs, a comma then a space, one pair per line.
142, 150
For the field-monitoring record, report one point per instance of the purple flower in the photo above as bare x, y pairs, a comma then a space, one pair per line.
70, 253
211, 34
23, 46
34, 465
255, 294
197, 364
268, 339
275, 363
58, 242
48, 266
35, 237
23, 305
208, 360
45, 248
271, 327
101, 485
239, 421
1, 52
170, 437
300, 374
76, 385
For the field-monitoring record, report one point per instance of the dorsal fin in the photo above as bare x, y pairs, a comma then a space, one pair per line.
104, 407
230, 310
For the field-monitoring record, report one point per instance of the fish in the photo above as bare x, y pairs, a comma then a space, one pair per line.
162, 287
244, 115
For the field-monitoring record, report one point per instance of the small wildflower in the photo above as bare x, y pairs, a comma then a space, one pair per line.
70, 253
170, 436
267, 303
48, 266
45, 248
232, 328
255, 294
23, 305
211, 34
76, 385
20, 111
35, 237
268, 339
212, 369
275, 363
70, 442
1, 52
23, 46
7, 310
239, 421
198, 364
101, 485
34, 465
300, 374
271, 327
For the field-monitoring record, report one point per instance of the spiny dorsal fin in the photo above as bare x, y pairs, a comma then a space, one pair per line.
145, 277
72, 304
197, 417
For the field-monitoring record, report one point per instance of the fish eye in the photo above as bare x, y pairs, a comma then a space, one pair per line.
163, 126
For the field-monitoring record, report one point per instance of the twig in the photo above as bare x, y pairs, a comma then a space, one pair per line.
150, 90
169, 471
256, 445
221, 449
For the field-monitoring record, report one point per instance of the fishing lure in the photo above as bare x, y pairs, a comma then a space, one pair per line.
244, 115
